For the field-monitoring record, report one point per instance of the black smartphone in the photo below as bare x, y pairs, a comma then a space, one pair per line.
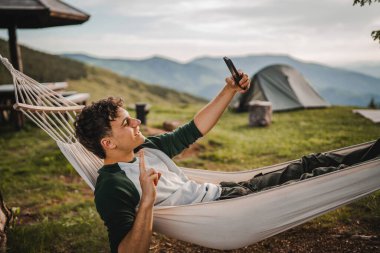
234, 72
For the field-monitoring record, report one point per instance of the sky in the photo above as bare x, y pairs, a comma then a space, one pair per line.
333, 32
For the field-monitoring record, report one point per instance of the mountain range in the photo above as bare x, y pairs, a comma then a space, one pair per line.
205, 76
100, 83
368, 68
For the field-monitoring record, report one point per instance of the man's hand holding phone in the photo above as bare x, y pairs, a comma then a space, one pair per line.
239, 80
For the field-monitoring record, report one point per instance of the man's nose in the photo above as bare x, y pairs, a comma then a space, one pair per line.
136, 122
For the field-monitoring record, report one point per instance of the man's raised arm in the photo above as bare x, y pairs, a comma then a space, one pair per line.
207, 117
139, 237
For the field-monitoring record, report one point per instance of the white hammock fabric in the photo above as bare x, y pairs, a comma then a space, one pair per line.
227, 224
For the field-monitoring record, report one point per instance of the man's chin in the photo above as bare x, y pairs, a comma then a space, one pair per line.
141, 138
139, 141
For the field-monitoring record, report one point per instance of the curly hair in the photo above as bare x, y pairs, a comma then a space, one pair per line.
94, 123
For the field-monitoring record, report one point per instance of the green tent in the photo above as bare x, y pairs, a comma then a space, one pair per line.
283, 86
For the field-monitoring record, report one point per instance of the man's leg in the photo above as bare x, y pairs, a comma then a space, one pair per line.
313, 164
233, 190
362, 155
308, 166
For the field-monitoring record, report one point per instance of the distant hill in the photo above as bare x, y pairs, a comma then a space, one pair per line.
368, 68
190, 78
42, 67
205, 76
337, 86
96, 81
103, 83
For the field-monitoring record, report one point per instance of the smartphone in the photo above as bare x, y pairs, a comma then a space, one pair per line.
234, 72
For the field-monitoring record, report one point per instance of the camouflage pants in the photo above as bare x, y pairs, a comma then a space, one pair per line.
308, 166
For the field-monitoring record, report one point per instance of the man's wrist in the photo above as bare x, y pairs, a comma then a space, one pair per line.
229, 88
146, 203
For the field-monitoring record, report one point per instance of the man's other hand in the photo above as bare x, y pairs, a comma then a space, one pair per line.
148, 181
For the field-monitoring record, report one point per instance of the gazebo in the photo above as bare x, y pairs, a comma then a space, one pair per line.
30, 14
35, 14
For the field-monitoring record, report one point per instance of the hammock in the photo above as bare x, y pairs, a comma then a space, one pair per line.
227, 224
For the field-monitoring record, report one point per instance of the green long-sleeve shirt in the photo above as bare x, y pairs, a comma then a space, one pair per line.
117, 195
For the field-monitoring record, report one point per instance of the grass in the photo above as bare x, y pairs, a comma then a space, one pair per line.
57, 213
233, 145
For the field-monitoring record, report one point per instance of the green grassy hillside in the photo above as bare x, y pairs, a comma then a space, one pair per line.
102, 83
42, 67
98, 82
56, 210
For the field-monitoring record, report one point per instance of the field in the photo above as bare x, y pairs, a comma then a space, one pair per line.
56, 213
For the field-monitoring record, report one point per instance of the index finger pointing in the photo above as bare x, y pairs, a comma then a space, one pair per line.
141, 162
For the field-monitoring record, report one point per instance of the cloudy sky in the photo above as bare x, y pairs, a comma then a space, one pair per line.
326, 31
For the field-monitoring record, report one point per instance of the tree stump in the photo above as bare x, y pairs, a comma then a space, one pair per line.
5, 219
169, 125
260, 113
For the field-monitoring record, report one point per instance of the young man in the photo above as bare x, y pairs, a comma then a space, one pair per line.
127, 183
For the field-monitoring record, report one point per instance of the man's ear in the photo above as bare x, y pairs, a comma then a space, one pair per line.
107, 143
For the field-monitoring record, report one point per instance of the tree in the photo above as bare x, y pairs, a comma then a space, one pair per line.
375, 34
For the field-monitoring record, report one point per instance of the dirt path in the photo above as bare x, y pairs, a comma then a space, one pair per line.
306, 238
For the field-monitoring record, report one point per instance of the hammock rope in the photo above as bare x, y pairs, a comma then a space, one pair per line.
54, 114
227, 224
46, 108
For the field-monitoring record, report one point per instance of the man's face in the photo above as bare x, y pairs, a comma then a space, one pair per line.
126, 131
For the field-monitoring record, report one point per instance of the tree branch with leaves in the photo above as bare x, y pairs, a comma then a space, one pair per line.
375, 34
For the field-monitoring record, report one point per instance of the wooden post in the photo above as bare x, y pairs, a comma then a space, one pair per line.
260, 113
14, 49
5, 219
15, 55
142, 110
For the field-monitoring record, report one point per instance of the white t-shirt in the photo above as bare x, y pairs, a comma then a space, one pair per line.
173, 188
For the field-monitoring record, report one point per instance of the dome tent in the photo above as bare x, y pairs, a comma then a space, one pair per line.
283, 86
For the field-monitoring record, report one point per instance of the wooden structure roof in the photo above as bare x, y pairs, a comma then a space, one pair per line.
39, 14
